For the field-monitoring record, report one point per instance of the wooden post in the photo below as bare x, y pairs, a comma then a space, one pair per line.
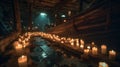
17, 15
30, 16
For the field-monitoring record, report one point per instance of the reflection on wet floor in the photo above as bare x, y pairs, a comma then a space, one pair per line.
53, 56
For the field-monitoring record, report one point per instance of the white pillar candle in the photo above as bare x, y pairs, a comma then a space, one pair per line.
112, 54
94, 50
103, 49
86, 51
103, 64
22, 61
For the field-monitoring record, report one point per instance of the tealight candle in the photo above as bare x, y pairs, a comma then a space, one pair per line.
103, 64
22, 61
103, 49
112, 54
94, 50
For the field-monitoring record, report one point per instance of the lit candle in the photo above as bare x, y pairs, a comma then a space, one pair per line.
86, 51
26, 39
103, 49
19, 40
88, 47
112, 54
77, 42
103, 64
26, 44
72, 43
22, 61
23, 42
62, 41
93, 43
81, 46
94, 50
82, 42
21, 37
18, 47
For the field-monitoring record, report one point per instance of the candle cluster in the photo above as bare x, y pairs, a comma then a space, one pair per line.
74, 43
22, 42
78, 44
19, 45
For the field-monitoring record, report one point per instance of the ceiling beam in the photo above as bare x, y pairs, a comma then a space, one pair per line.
60, 4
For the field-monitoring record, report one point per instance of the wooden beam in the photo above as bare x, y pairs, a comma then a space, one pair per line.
17, 15
30, 15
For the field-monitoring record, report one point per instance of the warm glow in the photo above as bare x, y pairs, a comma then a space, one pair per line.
103, 64
69, 13
86, 51
112, 54
93, 43
65, 21
94, 50
18, 47
81, 46
82, 42
22, 61
88, 47
67, 41
103, 49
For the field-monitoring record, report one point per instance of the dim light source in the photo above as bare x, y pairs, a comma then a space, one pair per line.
63, 16
43, 14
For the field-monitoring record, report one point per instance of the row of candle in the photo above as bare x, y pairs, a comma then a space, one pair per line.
79, 43
94, 50
73, 42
